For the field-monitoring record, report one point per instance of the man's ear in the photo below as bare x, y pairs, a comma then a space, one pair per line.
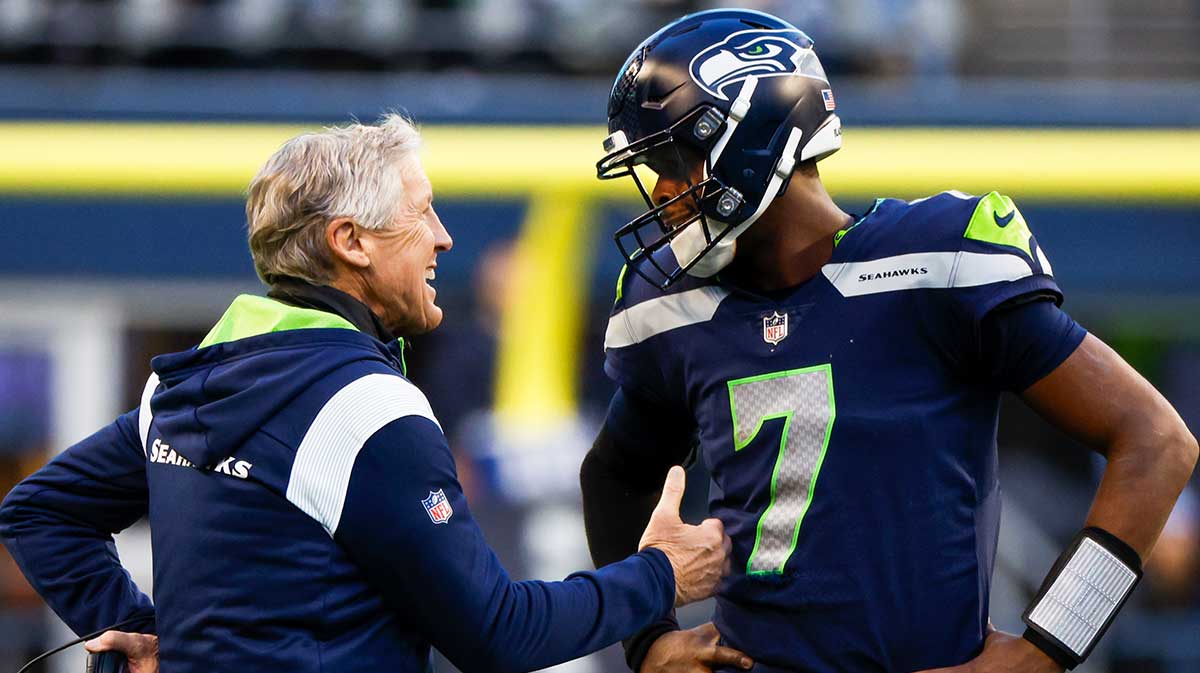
345, 242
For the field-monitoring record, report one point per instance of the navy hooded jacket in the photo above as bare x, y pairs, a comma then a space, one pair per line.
305, 516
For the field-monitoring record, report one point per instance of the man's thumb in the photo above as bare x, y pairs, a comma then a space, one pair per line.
672, 494
109, 640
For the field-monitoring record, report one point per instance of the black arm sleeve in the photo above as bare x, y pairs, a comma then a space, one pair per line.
622, 478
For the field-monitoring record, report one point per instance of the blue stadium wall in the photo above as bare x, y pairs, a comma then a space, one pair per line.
1141, 249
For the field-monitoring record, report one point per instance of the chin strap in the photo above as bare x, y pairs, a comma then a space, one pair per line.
691, 241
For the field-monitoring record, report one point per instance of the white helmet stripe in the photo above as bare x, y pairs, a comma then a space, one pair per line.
737, 112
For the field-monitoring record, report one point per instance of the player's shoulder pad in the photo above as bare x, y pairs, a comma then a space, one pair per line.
897, 227
945, 222
642, 309
949, 240
996, 221
996, 225
951, 220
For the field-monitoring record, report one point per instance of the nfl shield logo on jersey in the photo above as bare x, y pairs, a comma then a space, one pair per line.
438, 506
775, 328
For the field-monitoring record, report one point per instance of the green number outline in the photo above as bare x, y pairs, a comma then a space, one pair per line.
787, 415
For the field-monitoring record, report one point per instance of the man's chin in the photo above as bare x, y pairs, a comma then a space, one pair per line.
424, 324
433, 318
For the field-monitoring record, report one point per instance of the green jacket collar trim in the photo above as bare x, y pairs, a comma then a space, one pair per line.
250, 315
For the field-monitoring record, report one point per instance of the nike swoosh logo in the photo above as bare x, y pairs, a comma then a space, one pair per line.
1003, 221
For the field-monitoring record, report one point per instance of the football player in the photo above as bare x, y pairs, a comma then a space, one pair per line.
840, 377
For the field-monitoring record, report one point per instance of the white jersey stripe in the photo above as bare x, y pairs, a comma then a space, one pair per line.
977, 268
889, 274
642, 321
321, 472
925, 270
1044, 261
145, 415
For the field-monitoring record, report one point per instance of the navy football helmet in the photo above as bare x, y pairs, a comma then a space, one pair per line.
727, 102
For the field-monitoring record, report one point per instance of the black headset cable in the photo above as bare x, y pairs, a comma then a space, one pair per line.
75, 642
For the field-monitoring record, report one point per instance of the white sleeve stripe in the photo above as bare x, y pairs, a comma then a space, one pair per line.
979, 268
661, 314
145, 415
1044, 261
325, 459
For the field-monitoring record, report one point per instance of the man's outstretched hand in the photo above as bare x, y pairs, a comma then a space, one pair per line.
140, 649
692, 651
699, 555
1005, 653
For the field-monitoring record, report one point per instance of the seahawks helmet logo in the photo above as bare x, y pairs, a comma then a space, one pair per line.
757, 53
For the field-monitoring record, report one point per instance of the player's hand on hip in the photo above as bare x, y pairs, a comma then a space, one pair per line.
693, 651
141, 649
1006, 653
699, 555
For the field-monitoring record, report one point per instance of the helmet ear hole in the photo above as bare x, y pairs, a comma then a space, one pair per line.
825, 141
708, 124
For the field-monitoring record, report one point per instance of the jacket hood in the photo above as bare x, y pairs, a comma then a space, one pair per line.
260, 355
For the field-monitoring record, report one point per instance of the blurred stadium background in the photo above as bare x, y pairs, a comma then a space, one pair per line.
129, 128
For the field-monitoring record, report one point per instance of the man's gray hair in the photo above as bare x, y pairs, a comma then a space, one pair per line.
349, 171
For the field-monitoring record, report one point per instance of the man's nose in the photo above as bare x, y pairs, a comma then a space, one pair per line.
442, 242
665, 190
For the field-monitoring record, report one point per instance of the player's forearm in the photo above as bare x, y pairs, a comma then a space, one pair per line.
1096, 397
1149, 463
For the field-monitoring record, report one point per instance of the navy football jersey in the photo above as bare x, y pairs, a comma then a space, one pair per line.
850, 429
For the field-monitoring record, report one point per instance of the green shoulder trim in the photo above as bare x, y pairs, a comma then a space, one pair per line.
996, 220
837, 238
250, 315
621, 283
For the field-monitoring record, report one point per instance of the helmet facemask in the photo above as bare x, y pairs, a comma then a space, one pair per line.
682, 218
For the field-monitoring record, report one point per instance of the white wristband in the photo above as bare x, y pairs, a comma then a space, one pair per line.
1083, 593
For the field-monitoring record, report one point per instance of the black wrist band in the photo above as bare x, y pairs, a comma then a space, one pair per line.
638, 646
1081, 596
1052, 649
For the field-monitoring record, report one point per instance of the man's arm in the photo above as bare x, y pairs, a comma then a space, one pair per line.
1097, 398
406, 522
58, 525
622, 474
620, 478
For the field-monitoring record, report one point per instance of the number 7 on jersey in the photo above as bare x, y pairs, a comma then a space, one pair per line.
804, 399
